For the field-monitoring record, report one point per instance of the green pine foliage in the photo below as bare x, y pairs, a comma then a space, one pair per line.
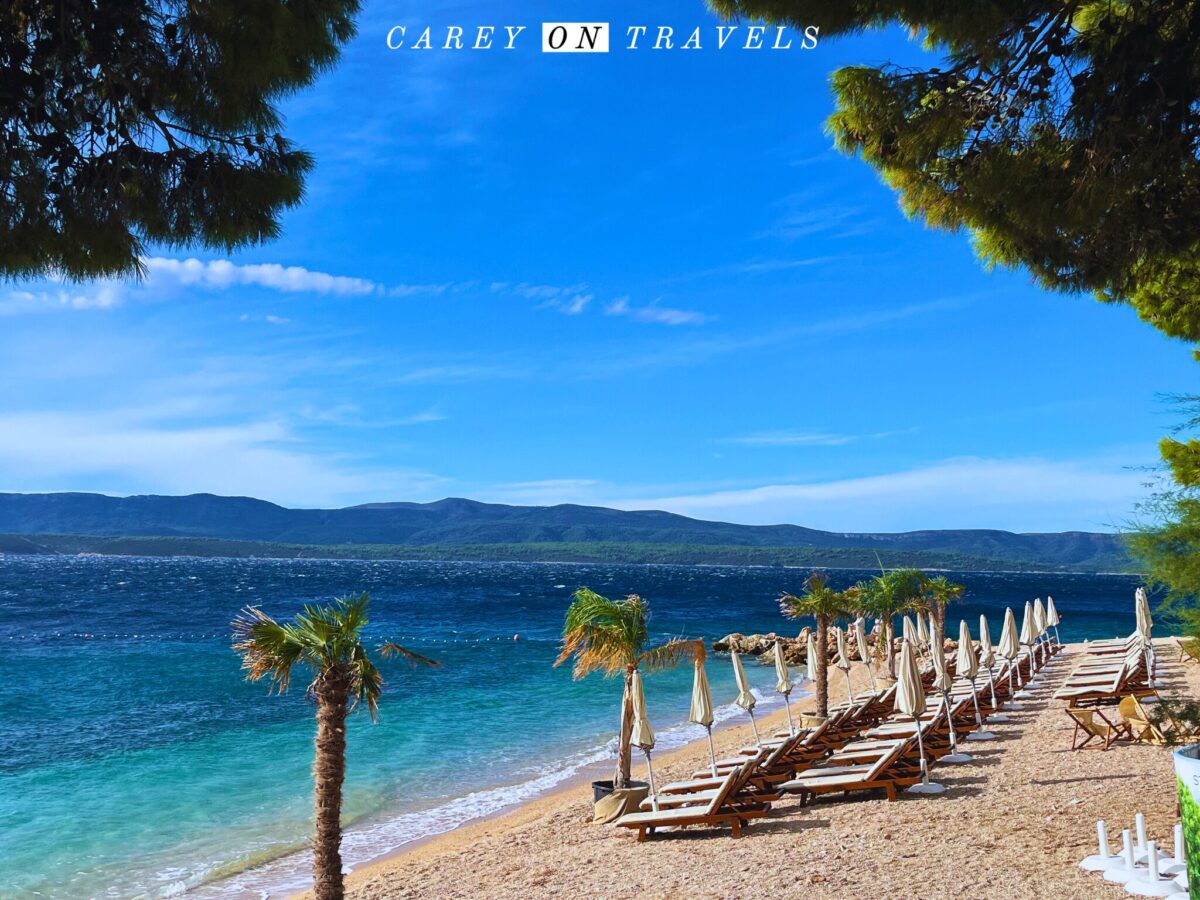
1063, 137
150, 121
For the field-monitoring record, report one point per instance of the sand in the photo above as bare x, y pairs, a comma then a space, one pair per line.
1014, 823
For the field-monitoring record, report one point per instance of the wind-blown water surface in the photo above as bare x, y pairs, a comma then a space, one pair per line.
134, 760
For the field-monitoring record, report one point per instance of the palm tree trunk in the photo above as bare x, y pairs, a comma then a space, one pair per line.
329, 771
889, 633
939, 623
822, 672
624, 748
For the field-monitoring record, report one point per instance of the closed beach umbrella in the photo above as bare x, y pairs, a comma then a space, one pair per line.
909, 632
702, 708
932, 627
1028, 638
942, 683
987, 658
910, 701
783, 683
745, 698
643, 734
1052, 619
922, 632
864, 651
1145, 628
968, 668
843, 662
1010, 647
1039, 624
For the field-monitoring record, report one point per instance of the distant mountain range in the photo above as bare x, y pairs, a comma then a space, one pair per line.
209, 525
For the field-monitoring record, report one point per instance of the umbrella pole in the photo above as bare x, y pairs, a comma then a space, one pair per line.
1057, 639
788, 706
950, 723
712, 753
992, 686
650, 772
921, 751
850, 693
871, 677
754, 725
975, 700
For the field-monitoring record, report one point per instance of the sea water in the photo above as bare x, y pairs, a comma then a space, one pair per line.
135, 760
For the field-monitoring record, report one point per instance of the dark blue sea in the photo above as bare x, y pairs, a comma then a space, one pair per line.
136, 761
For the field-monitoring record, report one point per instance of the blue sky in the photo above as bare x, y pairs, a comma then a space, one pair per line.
641, 279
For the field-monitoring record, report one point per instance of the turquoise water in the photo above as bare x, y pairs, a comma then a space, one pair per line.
134, 760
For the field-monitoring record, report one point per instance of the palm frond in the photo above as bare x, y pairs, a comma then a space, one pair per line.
603, 635
411, 656
670, 654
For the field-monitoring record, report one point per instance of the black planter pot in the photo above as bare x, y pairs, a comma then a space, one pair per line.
601, 789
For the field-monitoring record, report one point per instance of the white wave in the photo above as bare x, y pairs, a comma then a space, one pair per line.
364, 843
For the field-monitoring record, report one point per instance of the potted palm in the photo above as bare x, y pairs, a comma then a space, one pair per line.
825, 605
326, 640
610, 636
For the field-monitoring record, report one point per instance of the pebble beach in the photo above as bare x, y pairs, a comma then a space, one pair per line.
1013, 823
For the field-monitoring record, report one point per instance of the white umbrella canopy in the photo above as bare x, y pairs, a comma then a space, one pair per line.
702, 708
1039, 622
864, 650
968, 667
966, 663
843, 661
932, 627
643, 735
942, 682
909, 632
987, 653
910, 700
783, 683
1027, 635
987, 659
941, 678
1145, 624
922, 632
1009, 646
745, 698
1052, 619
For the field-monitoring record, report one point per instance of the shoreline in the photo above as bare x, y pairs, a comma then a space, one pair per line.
1012, 824
569, 789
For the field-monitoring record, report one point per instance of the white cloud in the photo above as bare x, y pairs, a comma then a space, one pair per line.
661, 315
221, 274
569, 299
133, 451
100, 295
971, 492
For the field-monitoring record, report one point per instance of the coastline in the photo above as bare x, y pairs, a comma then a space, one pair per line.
1012, 824
731, 733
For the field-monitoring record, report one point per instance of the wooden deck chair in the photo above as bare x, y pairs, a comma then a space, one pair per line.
716, 812
748, 787
1189, 649
1095, 726
1137, 721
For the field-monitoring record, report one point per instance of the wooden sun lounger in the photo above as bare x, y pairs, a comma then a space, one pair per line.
886, 773
716, 812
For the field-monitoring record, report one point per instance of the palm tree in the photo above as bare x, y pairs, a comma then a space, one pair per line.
888, 595
941, 592
610, 636
825, 605
328, 641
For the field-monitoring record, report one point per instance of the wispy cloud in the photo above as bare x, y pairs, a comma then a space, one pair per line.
834, 220
570, 299
660, 315
792, 439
